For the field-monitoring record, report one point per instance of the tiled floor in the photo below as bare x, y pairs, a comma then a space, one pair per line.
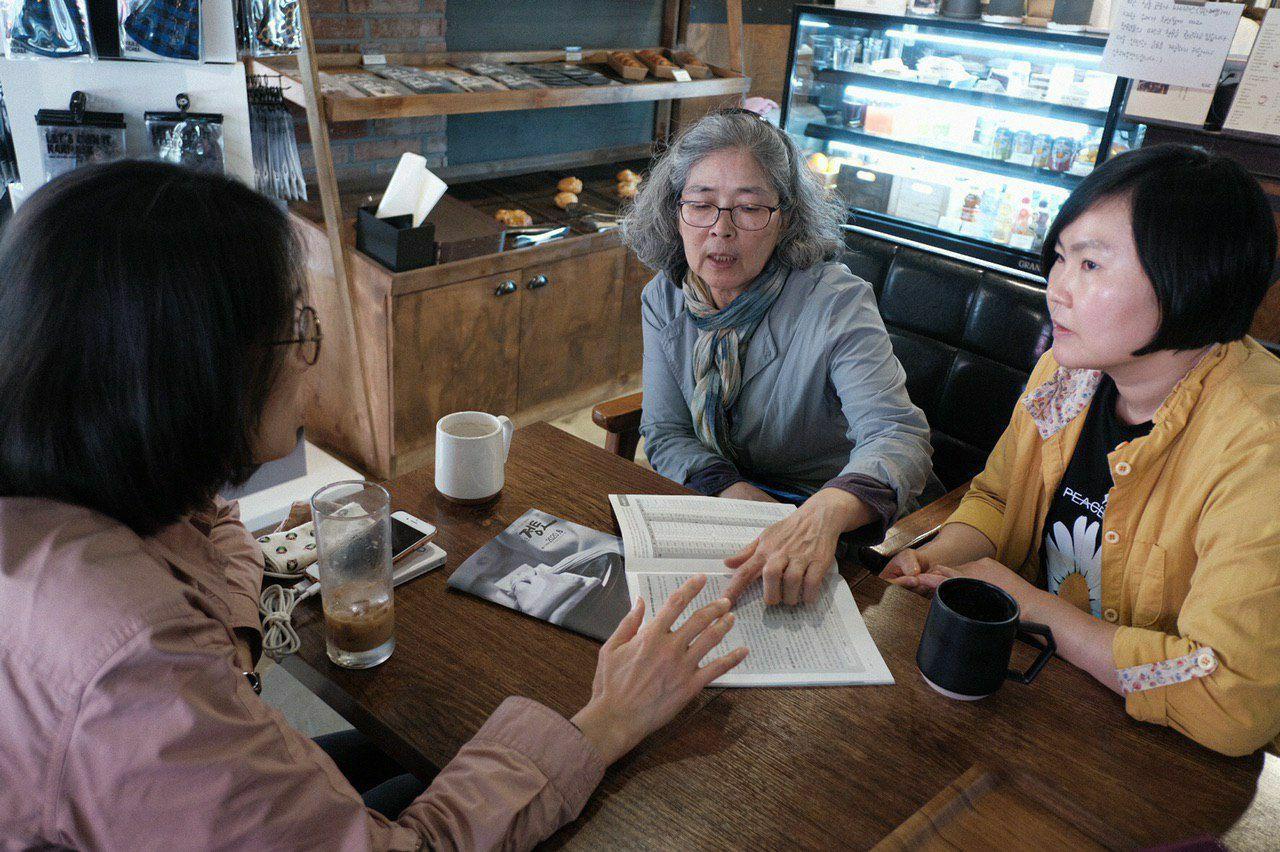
311, 715
579, 424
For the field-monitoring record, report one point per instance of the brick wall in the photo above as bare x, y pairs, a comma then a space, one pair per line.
365, 152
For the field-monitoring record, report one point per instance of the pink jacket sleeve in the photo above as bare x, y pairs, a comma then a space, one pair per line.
170, 748
241, 559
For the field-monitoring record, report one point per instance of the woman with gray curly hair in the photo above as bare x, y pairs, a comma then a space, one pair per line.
768, 374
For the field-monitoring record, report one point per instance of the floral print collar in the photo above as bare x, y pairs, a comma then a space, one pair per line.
1061, 399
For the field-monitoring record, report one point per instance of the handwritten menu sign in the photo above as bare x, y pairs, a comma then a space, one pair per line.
1256, 108
1164, 41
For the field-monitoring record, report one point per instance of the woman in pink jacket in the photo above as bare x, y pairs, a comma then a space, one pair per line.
153, 343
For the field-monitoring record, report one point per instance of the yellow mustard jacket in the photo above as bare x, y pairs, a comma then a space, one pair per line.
1191, 541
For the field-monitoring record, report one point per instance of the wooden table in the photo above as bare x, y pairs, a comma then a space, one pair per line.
1056, 764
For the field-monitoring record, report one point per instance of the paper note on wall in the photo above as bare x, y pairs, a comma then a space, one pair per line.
1164, 41
1256, 108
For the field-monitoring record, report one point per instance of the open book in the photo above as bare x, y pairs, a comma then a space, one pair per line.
666, 540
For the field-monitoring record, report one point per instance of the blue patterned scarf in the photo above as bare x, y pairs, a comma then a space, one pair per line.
723, 335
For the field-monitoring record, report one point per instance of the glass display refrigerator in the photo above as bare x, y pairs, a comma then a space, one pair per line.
955, 135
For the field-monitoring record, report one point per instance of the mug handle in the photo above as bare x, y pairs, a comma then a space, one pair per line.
507, 429
1047, 648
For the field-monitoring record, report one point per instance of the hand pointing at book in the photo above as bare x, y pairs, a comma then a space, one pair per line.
648, 672
793, 555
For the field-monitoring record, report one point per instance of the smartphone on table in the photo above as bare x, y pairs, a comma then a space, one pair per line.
408, 534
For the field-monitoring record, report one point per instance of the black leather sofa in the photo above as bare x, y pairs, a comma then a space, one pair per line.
967, 337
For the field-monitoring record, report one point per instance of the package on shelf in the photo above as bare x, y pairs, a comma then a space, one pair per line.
467, 81
188, 139
8, 157
358, 84
505, 74
46, 29
269, 27
578, 74
164, 30
276, 165
563, 74
76, 137
417, 80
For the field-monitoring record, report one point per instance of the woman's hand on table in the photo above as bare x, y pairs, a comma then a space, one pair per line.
794, 555
909, 564
647, 673
917, 571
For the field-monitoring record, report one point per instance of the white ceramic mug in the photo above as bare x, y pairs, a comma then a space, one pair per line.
471, 455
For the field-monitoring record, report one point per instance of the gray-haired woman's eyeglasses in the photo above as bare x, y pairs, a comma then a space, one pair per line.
748, 217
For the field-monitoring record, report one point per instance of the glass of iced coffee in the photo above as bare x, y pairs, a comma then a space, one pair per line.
353, 531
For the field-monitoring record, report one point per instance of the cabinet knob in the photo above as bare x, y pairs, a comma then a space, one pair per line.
538, 281
505, 287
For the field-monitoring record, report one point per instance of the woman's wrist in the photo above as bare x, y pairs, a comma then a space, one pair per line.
957, 544
601, 729
839, 511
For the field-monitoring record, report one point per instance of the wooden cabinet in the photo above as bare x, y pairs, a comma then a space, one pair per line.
455, 348
534, 334
569, 316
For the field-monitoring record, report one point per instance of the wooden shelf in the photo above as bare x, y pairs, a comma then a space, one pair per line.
344, 108
530, 345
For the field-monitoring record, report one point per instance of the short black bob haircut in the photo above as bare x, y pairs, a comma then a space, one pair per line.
1205, 235
138, 305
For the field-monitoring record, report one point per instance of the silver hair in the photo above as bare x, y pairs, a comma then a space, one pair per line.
810, 232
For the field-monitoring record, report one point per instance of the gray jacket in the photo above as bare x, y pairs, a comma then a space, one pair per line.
823, 397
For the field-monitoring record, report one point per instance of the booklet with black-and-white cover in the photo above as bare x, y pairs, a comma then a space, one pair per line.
669, 539
554, 570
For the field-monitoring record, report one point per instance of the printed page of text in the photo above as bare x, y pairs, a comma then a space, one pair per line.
690, 528
824, 643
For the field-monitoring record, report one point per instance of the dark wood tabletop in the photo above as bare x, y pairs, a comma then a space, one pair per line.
1056, 764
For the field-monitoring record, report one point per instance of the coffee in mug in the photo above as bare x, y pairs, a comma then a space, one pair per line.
968, 640
471, 455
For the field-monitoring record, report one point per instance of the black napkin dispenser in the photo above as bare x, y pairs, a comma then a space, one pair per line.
394, 242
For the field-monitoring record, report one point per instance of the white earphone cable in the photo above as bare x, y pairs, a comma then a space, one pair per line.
276, 605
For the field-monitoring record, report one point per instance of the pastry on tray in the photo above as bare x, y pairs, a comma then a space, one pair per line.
622, 57
628, 176
514, 218
654, 59
628, 190
570, 184
564, 199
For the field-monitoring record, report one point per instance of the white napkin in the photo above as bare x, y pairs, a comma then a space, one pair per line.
413, 189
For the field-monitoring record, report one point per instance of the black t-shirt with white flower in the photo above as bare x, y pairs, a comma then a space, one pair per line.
1072, 549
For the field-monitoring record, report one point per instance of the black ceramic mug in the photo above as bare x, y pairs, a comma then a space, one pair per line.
968, 640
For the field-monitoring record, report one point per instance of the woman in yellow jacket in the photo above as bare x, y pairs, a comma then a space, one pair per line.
1133, 502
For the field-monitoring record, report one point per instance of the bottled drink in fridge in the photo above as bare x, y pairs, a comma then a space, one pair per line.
1023, 230
969, 209
1041, 225
1003, 227
989, 207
